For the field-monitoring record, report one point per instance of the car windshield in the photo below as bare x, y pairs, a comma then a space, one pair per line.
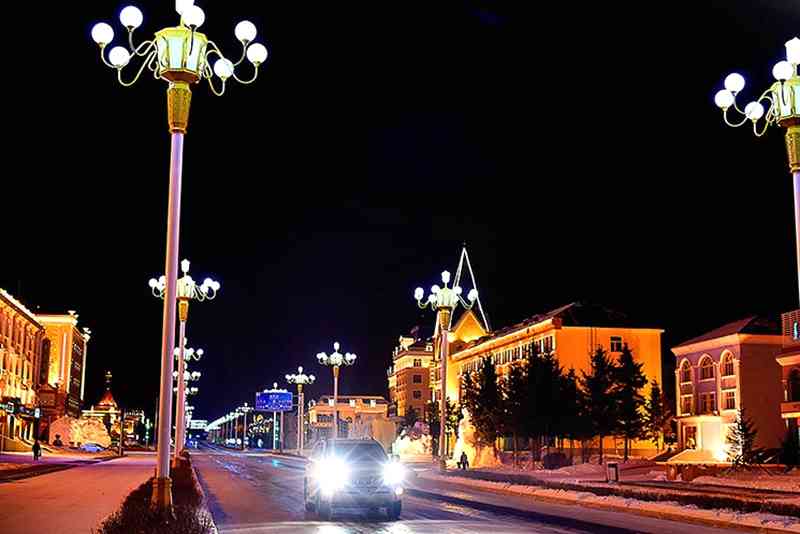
359, 452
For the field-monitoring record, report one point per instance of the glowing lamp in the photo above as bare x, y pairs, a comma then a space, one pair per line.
102, 33
734, 82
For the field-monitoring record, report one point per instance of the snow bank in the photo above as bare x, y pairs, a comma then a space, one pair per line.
74, 431
755, 480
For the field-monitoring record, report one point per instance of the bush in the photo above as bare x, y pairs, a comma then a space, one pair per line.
790, 449
555, 460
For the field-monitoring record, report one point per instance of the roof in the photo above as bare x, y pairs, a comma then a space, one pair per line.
107, 399
750, 325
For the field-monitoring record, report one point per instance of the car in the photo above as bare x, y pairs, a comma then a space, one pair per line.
352, 473
92, 447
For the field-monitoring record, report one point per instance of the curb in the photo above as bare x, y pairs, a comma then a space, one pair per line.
203, 498
45, 469
669, 516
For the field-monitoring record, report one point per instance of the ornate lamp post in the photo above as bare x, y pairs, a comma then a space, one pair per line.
444, 300
244, 410
782, 108
179, 55
335, 361
187, 290
301, 379
181, 421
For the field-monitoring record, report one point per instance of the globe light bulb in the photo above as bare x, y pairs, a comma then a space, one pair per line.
723, 99
153, 283
446, 277
782, 71
131, 17
473, 295
119, 57
182, 5
754, 111
257, 54
336, 345
193, 16
419, 293
245, 31
435, 289
102, 33
793, 51
734, 82
457, 290
224, 69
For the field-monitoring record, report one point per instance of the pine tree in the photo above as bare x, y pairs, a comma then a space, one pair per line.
532, 426
600, 401
483, 399
516, 404
549, 390
432, 419
657, 415
790, 449
410, 418
741, 441
629, 380
570, 423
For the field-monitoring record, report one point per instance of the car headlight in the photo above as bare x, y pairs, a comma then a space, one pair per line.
332, 474
393, 474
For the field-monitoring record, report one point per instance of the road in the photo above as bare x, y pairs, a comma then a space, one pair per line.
254, 493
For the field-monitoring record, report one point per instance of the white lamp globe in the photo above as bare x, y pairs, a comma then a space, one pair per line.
224, 69
245, 31
257, 53
782, 70
119, 57
131, 17
102, 33
734, 82
793, 51
193, 16
182, 5
754, 111
419, 293
473, 294
723, 99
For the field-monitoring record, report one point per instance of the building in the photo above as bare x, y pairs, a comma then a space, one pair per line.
63, 376
353, 409
409, 375
107, 410
571, 333
789, 360
730, 368
22, 348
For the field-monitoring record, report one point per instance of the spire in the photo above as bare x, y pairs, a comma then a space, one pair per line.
108, 399
459, 272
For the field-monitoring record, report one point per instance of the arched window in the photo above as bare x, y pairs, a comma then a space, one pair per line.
686, 372
727, 364
794, 385
706, 368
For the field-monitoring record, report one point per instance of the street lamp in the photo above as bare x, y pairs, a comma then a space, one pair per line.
179, 55
187, 290
244, 410
301, 379
444, 300
335, 361
782, 108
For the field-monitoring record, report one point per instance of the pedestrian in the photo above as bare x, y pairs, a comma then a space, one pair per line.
37, 450
463, 462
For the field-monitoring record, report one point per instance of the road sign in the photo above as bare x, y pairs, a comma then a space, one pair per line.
274, 401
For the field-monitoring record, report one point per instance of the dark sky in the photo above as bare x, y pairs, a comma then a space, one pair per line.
575, 148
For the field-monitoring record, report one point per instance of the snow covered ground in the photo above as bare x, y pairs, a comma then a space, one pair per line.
760, 520
755, 479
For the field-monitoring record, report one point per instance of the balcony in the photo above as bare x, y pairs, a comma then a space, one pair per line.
790, 410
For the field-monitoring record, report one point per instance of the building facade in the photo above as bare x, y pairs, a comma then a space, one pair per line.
410, 375
22, 346
353, 409
716, 374
789, 360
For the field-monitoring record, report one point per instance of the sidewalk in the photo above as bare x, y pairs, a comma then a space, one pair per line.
71, 501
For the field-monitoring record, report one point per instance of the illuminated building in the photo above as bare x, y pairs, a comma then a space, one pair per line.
410, 373
352, 409
789, 360
571, 333
106, 409
22, 344
63, 375
718, 373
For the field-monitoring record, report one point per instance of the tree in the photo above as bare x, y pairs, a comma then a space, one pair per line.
657, 415
629, 380
790, 449
516, 404
741, 441
532, 428
452, 418
571, 423
549, 391
483, 399
600, 402
410, 418
432, 419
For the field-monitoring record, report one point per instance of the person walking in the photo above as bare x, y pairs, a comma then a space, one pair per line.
463, 462
37, 450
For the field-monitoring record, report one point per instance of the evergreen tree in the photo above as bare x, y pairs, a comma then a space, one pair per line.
600, 402
657, 415
483, 399
570, 421
629, 380
410, 418
549, 402
516, 404
432, 419
532, 427
741, 441
790, 449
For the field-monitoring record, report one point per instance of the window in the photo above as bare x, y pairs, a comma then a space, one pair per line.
686, 372
727, 365
417, 394
547, 345
686, 405
616, 343
352, 403
708, 403
706, 369
417, 379
794, 385
730, 399
417, 362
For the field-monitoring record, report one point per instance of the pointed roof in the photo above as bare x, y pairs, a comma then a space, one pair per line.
749, 325
107, 400
481, 314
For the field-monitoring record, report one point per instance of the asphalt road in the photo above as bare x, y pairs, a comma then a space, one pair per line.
251, 493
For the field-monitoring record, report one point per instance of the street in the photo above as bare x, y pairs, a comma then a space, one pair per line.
258, 492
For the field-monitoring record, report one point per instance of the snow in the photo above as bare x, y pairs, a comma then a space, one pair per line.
755, 479
75, 431
731, 517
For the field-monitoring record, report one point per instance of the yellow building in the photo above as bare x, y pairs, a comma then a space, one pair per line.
571, 332
409, 375
353, 409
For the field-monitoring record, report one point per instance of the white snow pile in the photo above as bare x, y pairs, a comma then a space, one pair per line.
756, 480
413, 443
467, 442
718, 516
77, 431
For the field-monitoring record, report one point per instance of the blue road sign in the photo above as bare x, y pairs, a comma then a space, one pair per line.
274, 401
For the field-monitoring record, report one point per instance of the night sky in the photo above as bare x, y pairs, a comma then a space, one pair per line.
575, 148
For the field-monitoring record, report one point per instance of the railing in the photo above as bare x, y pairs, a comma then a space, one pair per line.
791, 328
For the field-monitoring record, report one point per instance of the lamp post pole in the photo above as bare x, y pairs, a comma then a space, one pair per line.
301, 379
335, 361
444, 300
783, 110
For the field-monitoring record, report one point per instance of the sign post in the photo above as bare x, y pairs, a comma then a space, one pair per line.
276, 401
